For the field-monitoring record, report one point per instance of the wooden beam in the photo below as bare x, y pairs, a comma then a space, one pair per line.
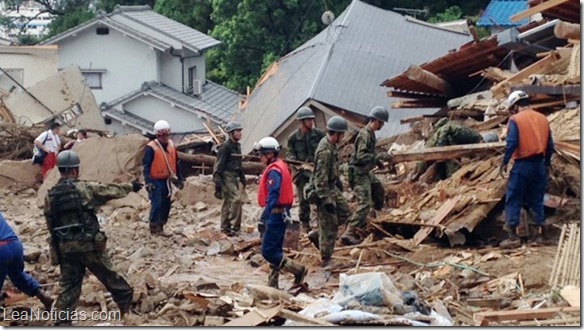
253, 168
537, 67
536, 9
428, 79
491, 123
445, 153
565, 30
523, 314
411, 119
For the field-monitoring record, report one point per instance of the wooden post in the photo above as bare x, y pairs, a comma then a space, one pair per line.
536, 9
565, 30
428, 79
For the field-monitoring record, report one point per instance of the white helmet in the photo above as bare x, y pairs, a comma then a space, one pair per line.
161, 127
267, 144
516, 96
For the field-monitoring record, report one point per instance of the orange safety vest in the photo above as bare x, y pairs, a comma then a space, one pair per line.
534, 132
160, 169
286, 197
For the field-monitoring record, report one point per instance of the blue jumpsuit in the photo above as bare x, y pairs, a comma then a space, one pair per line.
273, 238
12, 261
527, 180
159, 196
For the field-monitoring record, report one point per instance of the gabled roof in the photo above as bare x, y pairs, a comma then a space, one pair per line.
343, 67
216, 102
142, 23
499, 12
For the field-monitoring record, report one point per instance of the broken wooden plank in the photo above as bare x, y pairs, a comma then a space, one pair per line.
444, 153
522, 314
566, 321
290, 315
538, 67
537, 9
441, 214
429, 79
255, 317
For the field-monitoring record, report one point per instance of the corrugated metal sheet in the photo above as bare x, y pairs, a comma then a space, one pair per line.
499, 12
343, 65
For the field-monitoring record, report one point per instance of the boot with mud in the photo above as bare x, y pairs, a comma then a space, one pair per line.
45, 299
313, 238
351, 236
295, 268
513, 242
274, 276
539, 236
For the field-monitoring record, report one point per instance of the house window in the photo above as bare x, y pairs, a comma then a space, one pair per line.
192, 75
93, 79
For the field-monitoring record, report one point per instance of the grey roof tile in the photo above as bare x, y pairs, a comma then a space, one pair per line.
344, 65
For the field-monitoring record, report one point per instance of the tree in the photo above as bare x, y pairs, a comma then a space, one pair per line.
450, 14
193, 13
70, 20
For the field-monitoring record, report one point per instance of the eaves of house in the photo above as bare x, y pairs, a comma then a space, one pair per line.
143, 24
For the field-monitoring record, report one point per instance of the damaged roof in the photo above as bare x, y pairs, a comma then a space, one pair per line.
144, 24
342, 67
216, 102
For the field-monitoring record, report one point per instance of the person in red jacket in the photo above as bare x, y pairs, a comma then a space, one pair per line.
276, 195
530, 144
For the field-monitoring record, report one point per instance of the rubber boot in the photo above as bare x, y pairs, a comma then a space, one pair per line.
313, 237
512, 242
124, 309
350, 236
325, 262
274, 276
45, 299
154, 229
162, 233
539, 235
297, 269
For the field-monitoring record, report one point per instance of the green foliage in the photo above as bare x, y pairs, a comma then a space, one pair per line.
193, 13
62, 23
27, 40
450, 14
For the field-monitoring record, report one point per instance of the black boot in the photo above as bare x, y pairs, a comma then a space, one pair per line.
313, 237
297, 269
512, 242
274, 276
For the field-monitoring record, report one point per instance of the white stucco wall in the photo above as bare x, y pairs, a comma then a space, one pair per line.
154, 109
170, 69
116, 128
127, 61
37, 64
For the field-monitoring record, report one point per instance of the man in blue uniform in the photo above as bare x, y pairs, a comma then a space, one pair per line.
12, 264
276, 195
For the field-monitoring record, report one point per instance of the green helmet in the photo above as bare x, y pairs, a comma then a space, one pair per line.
232, 126
337, 124
304, 113
380, 113
67, 159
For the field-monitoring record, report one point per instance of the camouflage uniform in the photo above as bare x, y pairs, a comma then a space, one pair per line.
77, 241
448, 135
326, 185
228, 173
368, 189
301, 147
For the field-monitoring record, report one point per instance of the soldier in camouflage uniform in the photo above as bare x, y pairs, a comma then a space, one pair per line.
77, 242
326, 190
302, 145
447, 133
367, 187
227, 175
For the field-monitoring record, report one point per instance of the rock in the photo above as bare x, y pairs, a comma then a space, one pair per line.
200, 206
21, 173
31, 253
256, 260
227, 247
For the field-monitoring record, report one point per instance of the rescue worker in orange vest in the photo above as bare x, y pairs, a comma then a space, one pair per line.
530, 144
161, 168
276, 195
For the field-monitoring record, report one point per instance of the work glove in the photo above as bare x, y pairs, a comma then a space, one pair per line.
503, 170
136, 186
262, 227
149, 187
180, 185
